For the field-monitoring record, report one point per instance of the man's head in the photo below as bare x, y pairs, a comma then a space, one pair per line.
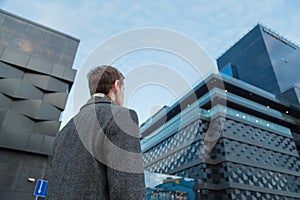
109, 81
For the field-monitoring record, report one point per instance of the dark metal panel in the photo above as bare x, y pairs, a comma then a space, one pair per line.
35, 142
19, 89
47, 145
15, 121
38, 80
15, 57
40, 65
291, 95
46, 82
5, 102
14, 187
56, 99
15, 169
57, 85
46, 127
7, 71
48, 112
29, 107
13, 138
72, 44
2, 18
58, 70
36, 109
3, 113
69, 74
1, 50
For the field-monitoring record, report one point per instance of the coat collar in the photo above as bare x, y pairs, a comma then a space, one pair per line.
95, 100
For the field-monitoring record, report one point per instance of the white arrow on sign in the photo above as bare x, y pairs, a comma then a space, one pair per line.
40, 188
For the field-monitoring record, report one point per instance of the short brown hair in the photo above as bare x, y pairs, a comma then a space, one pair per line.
102, 78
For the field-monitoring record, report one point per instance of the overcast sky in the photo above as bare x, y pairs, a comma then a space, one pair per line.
214, 25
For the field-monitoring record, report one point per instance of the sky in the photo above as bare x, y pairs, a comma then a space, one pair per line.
162, 47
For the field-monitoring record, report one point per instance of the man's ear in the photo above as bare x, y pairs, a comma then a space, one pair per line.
117, 85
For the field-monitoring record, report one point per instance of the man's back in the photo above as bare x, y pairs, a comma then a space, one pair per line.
86, 164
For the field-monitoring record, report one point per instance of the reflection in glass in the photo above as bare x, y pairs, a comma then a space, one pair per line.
163, 187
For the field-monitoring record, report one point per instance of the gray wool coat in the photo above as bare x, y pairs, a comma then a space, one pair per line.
97, 155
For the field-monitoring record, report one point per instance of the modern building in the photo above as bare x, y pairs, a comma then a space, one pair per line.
273, 60
234, 139
36, 76
267, 60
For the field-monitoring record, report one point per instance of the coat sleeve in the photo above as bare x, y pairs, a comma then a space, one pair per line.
125, 173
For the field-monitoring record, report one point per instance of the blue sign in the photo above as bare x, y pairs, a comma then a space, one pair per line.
40, 188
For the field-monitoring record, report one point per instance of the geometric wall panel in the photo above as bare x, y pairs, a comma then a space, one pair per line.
36, 109
10, 125
46, 127
7, 71
177, 150
56, 99
261, 138
15, 121
35, 78
19, 89
3, 113
256, 177
45, 82
5, 101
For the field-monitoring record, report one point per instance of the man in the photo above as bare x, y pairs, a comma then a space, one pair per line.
97, 155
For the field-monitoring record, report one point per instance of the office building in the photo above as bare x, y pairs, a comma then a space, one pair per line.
36, 76
234, 139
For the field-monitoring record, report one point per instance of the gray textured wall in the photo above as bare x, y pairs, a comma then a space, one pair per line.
36, 76
15, 169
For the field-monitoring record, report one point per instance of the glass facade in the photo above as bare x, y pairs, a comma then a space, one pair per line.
252, 57
230, 70
285, 58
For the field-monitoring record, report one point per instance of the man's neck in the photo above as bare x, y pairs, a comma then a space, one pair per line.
110, 96
99, 95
